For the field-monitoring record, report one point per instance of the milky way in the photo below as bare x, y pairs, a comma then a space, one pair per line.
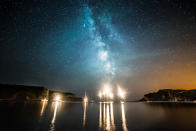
103, 53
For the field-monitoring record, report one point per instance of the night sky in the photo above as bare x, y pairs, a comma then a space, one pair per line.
78, 45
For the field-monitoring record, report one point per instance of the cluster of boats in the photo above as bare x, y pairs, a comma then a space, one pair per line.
106, 94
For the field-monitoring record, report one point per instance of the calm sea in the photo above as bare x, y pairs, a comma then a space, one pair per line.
128, 116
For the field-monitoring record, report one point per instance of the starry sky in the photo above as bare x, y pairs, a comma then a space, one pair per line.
78, 45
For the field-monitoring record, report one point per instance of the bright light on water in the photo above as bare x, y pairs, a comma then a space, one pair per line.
84, 114
85, 103
57, 98
44, 103
106, 118
85, 99
111, 95
100, 95
100, 115
106, 92
121, 93
112, 114
55, 109
44, 100
106, 89
108, 123
52, 126
124, 124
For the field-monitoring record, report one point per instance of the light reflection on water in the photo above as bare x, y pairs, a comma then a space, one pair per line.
85, 104
100, 115
124, 123
55, 105
106, 116
60, 116
44, 104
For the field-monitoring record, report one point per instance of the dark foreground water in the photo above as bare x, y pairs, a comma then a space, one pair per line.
132, 116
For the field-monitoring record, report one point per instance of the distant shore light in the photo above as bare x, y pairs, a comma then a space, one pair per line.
100, 95
106, 92
111, 95
57, 98
85, 99
44, 100
121, 93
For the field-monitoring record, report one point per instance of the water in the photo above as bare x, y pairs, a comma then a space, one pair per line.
132, 116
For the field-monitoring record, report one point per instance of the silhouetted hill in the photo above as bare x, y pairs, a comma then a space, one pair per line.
23, 92
171, 95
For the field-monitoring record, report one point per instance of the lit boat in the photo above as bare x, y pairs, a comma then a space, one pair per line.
106, 94
85, 99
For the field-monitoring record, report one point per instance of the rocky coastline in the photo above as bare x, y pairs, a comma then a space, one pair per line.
171, 95
27, 93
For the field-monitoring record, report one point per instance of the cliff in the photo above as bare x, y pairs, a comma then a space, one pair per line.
171, 95
23, 92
